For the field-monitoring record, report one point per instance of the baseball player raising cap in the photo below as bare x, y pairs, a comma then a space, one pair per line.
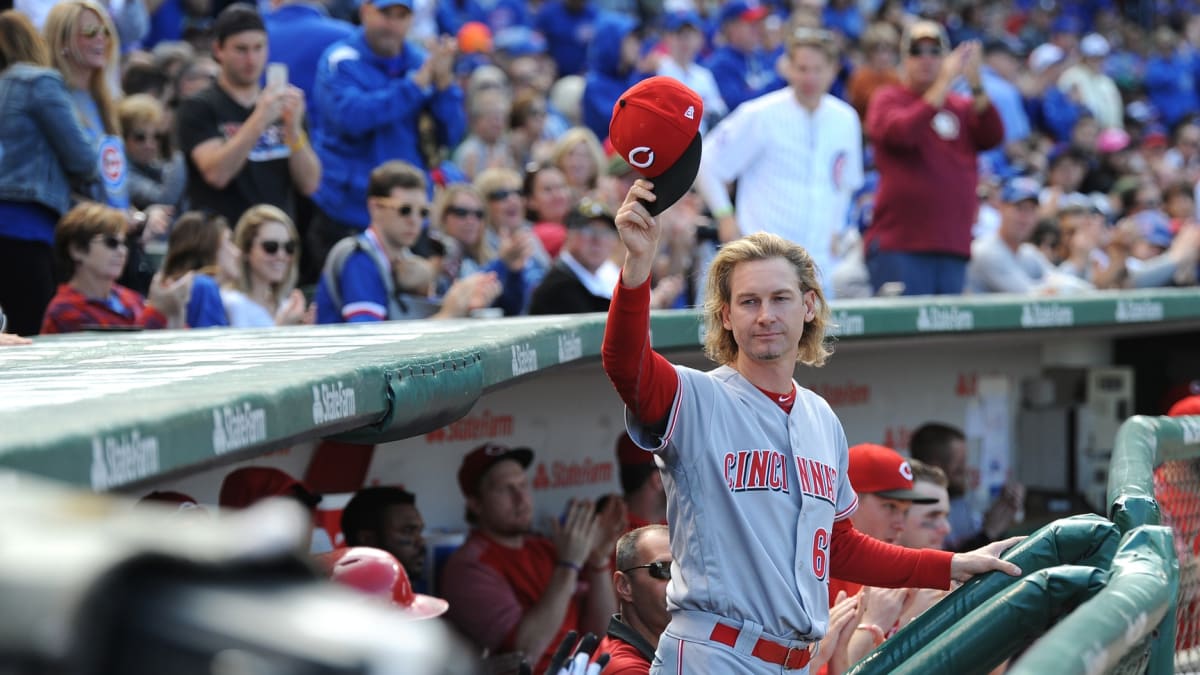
755, 467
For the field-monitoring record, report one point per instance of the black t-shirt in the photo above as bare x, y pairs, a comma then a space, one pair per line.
265, 177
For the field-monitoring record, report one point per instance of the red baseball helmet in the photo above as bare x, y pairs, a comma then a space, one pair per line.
377, 573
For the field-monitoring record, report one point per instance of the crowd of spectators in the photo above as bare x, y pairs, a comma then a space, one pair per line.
884, 135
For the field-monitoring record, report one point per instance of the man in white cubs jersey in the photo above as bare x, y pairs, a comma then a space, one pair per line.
758, 499
796, 155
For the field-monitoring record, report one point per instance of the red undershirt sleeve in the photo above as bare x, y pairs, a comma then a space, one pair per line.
856, 557
646, 381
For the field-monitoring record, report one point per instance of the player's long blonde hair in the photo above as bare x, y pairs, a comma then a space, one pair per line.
719, 344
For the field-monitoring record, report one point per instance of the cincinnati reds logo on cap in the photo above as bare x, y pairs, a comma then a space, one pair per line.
906, 471
636, 155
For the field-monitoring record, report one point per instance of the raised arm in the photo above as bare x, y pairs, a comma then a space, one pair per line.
645, 380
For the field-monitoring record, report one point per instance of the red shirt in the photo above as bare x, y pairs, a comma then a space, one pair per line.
629, 653
491, 586
927, 160
71, 311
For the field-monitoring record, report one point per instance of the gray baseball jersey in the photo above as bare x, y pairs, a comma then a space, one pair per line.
752, 494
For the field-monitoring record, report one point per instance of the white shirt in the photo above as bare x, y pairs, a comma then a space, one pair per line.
701, 81
1098, 93
796, 171
244, 312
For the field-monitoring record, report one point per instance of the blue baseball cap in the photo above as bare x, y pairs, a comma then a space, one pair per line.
745, 10
384, 4
676, 21
1155, 227
1020, 189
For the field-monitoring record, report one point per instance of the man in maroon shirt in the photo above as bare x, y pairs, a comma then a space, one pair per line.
926, 141
514, 591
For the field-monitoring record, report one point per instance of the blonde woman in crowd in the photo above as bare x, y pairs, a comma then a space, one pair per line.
265, 293
581, 159
84, 48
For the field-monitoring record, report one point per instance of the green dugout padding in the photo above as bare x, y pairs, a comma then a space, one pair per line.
1086, 541
1006, 622
103, 410
1142, 444
1108, 629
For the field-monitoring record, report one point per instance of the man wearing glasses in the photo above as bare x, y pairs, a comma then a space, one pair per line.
643, 570
926, 142
375, 276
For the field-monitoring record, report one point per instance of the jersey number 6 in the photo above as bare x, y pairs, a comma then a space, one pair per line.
820, 554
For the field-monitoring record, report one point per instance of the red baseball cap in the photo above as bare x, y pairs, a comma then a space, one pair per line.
881, 471
1189, 405
479, 460
250, 484
656, 128
377, 572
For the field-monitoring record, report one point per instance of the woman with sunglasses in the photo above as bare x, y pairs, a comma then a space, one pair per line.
460, 216
156, 176
507, 227
84, 48
264, 293
90, 245
203, 244
45, 150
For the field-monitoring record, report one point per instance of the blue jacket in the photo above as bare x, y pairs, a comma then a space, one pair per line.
1171, 84
567, 34
297, 35
369, 107
42, 144
452, 14
1057, 114
741, 77
605, 82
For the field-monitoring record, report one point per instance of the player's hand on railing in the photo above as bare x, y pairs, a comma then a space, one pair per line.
963, 566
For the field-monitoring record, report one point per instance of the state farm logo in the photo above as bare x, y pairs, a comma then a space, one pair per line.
235, 427
524, 360
845, 323
945, 319
1042, 316
570, 347
572, 474
1130, 311
124, 458
332, 402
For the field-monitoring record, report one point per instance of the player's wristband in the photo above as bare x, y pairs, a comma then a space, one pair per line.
567, 563
873, 630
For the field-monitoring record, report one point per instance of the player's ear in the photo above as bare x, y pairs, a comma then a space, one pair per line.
725, 317
622, 586
810, 305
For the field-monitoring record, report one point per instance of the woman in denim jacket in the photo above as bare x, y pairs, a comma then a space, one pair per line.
43, 150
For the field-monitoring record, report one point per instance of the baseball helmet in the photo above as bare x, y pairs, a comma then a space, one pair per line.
377, 573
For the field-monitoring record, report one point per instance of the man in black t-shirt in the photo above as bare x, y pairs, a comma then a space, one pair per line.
244, 144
